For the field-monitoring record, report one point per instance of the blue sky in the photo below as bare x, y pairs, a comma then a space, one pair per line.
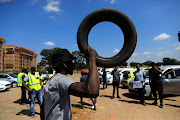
44, 24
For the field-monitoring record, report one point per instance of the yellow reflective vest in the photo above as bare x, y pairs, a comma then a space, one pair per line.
50, 76
34, 81
19, 80
42, 78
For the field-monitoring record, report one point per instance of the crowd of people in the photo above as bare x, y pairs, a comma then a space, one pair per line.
55, 103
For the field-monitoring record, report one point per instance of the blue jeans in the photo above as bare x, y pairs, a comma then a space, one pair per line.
38, 95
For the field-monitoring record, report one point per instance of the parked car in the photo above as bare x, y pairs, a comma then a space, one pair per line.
127, 76
11, 77
4, 85
110, 77
171, 81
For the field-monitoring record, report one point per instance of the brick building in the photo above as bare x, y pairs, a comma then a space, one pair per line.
15, 58
1, 53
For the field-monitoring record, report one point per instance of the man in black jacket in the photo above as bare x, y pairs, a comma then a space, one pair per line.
156, 84
116, 80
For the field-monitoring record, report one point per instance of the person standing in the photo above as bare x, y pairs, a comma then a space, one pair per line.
116, 81
58, 90
140, 78
83, 79
100, 76
104, 79
156, 84
34, 87
21, 76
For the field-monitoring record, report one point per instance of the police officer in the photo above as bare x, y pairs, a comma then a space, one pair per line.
156, 84
21, 76
34, 87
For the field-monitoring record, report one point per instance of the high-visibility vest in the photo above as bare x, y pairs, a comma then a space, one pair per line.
50, 76
42, 78
34, 81
19, 80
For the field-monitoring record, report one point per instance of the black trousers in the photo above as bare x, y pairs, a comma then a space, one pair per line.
92, 99
141, 92
116, 85
157, 87
23, 94
104, 83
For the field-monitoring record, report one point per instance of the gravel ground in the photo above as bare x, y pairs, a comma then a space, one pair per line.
125, 108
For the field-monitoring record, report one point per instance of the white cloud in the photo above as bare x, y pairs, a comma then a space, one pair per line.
49, 43
135, 54
177, 48
52, 17
147, 53
52, 6
162, 36
112, 1
162, 53
116, 51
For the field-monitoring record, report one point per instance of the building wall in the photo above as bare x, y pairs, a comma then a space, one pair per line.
16, 58
1, 54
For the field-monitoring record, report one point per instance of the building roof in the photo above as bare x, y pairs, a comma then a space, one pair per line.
18, 47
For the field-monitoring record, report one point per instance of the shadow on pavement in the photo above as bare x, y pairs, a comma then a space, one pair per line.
4, 91
85, 105
106, 96
128, 95
177, 106
26, 112
134, 102
17, 101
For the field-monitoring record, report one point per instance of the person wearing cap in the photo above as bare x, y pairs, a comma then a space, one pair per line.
21, 76
83, 79
34, 87
156, 84
58, 90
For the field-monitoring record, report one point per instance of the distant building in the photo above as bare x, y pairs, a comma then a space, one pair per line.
15, 58
1, 54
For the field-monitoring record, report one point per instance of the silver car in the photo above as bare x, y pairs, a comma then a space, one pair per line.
11, 77
171, 81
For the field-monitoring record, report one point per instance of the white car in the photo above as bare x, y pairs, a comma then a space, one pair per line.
11, 77
109, 77
4, 85
171, 81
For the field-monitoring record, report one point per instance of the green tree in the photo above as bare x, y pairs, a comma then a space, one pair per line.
80, 62
169, 61
47, 55
147, 63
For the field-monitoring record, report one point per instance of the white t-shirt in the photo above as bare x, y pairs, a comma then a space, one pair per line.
57, 101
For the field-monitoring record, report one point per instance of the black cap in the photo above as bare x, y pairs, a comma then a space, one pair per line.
60, 56
33, 68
